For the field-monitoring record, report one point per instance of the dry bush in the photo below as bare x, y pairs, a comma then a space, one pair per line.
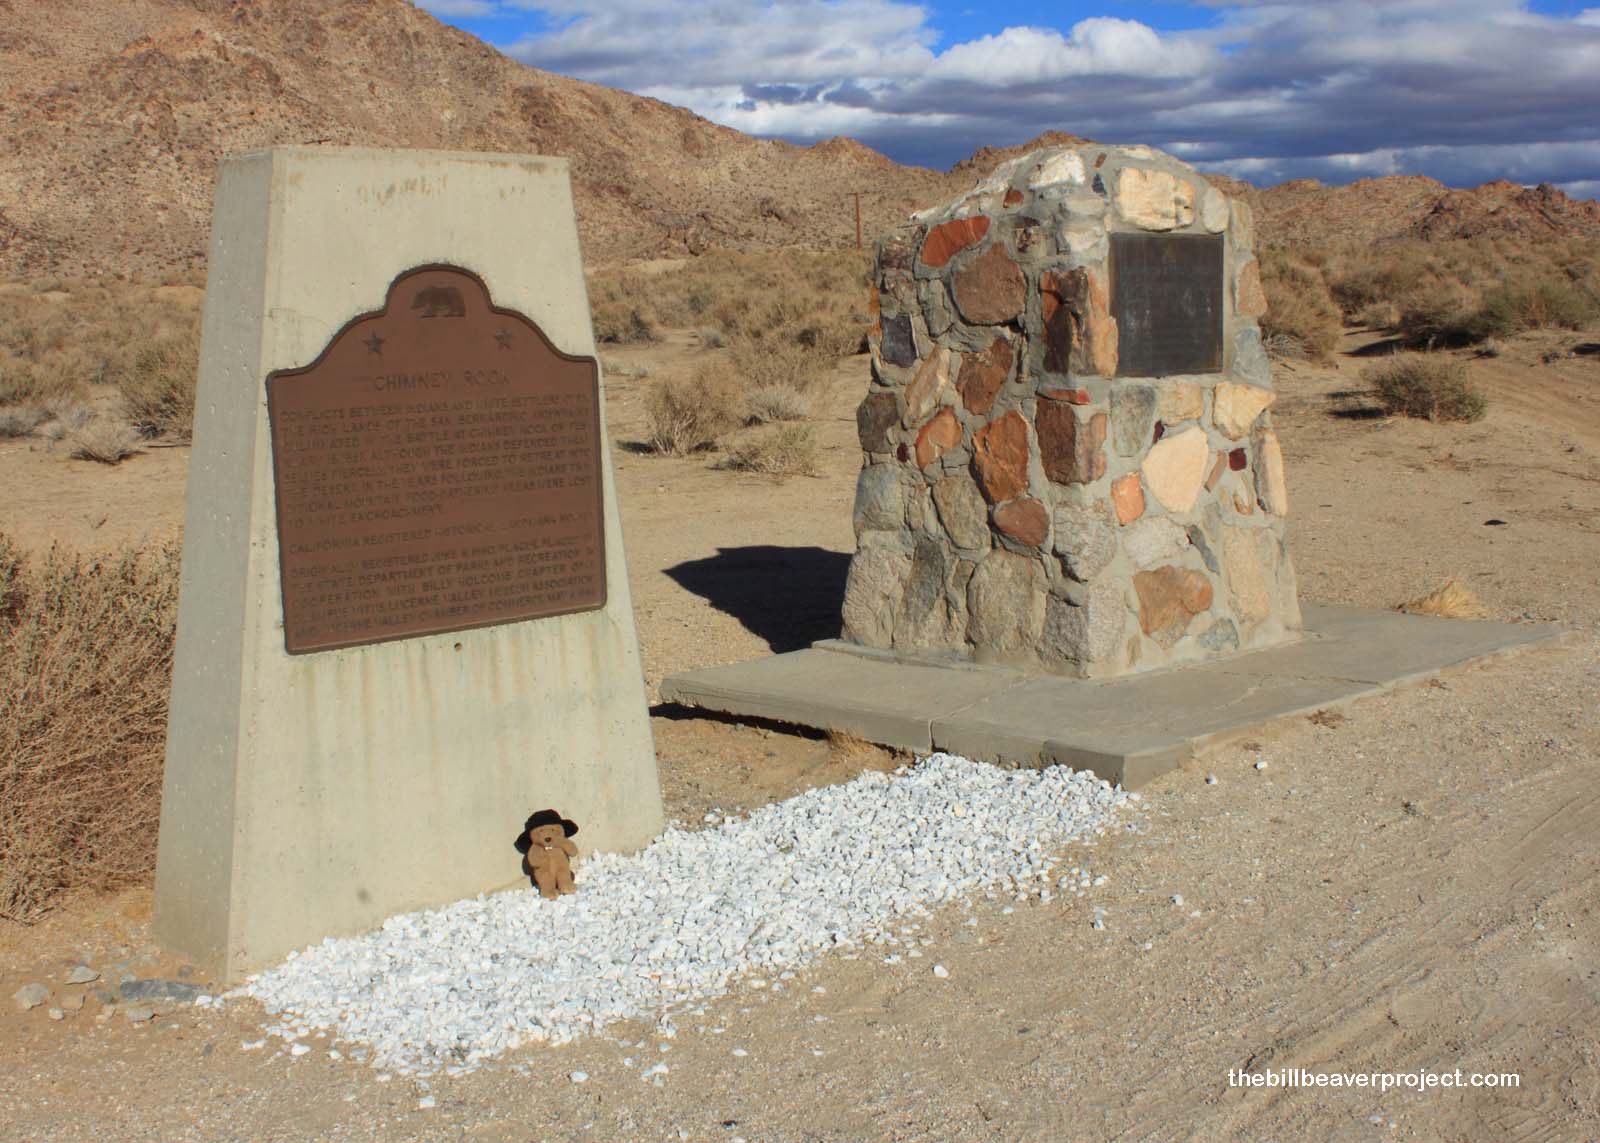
108, 442
690, 414
1451, 600
20, 421
1301, 311
56, 342
1414, 385
158, 392
85, 668
789, 450
853, 751
765, 404
811, 299
1462, 291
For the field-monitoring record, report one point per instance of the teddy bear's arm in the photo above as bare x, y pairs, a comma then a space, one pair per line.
568, 847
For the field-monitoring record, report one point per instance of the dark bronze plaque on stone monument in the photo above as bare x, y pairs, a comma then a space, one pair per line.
437, 468
1167, 299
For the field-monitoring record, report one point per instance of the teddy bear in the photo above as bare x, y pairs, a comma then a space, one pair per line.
544, 847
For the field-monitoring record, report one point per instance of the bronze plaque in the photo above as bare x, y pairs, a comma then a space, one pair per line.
437, 468
1167, 297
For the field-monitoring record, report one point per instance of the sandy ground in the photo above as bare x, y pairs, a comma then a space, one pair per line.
1413, 887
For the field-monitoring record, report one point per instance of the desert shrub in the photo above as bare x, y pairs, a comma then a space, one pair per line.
158, 392
1451, 600
814, 299
767, 403
689, 414
621, 321
1547, 304
779, 364
1419, 386
20, 421
1301, 311
1445, 313
108, 442
85, 667
788, 450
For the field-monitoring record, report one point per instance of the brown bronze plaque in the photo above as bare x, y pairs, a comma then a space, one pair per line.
437, 468
1167, 297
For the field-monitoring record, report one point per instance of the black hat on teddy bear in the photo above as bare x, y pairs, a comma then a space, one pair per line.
543, 818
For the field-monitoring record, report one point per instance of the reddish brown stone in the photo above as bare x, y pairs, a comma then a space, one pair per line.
1080, 333
1158, 432
1127, 498
1013, 196
990, 289
937, 437
902, 453
1073, 451
1056, 295
1217, 470
983, 374
1025, 521
1169, 597
874, 417
948, 239
1000, 458
1061, 393
1249, 298
1237, 459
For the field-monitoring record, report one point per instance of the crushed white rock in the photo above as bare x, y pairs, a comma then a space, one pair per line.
837, 867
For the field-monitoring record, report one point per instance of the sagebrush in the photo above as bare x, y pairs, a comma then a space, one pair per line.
85, 668
1418, 385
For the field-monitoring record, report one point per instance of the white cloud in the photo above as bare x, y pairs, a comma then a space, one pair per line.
1462, 89
459, 9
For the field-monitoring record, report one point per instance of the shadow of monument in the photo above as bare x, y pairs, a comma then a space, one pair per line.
790, 597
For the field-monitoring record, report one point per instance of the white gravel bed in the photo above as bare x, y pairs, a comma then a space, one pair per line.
835, 868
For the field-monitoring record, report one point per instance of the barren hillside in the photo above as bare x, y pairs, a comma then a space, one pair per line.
115, 114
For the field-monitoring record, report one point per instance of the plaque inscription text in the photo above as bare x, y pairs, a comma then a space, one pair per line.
1167, 298
437, 469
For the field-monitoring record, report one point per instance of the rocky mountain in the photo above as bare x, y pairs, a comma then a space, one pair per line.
113, 116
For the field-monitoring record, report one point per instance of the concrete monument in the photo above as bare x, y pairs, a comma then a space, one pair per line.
404, 618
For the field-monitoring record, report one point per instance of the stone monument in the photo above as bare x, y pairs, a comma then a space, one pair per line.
404, 619
1069, 458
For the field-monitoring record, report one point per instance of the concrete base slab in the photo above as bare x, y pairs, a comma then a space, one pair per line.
1127, 730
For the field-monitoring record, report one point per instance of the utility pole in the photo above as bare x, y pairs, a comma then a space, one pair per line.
857, 195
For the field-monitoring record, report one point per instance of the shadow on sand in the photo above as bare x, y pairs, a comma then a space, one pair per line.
788, 596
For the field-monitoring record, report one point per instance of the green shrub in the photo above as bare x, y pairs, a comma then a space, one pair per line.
158, 391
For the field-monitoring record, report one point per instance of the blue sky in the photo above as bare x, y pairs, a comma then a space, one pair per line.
1463, 90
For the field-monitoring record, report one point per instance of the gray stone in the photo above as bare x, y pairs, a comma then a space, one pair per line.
1084, 539
1154, 540
139, 1013
1005, 603
1250, 362
173, 990
872, 591
1197, 540
963, 512
935, 306
897, 346
56, 1014
72, 1001
880, 503
1086, 634
1220, 637
1133, 417
30, 996
923, 615
82, 974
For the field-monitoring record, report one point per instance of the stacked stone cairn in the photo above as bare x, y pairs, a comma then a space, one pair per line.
1022, 503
